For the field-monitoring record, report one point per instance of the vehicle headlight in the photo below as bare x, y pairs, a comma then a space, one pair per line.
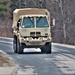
48, 38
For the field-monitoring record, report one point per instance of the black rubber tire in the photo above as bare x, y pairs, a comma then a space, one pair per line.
15, 44
42, 50
20, 47
46, 49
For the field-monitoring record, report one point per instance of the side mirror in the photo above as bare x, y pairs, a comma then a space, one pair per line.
52, 22
18, 25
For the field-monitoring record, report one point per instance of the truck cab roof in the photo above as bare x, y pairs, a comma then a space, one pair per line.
28, 12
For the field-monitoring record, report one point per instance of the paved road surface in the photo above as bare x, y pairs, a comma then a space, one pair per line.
60, 62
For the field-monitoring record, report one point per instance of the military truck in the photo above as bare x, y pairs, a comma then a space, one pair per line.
32, 29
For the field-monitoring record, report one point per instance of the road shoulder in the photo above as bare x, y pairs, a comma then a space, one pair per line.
64, 45
7, 66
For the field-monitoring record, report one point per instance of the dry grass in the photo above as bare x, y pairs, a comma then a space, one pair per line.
5, 61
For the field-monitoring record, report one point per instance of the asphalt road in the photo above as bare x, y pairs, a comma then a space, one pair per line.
32, 62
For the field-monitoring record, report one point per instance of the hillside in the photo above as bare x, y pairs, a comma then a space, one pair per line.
5, 21
62, 10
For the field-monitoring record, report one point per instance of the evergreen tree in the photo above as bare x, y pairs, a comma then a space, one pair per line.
4, 7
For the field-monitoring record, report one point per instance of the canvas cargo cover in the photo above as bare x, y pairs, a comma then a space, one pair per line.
28, 11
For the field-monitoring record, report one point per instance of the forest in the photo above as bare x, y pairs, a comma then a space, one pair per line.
62, 10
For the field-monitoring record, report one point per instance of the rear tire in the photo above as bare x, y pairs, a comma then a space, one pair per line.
20, 47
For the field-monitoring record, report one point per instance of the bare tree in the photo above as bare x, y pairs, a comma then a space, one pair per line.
63, 21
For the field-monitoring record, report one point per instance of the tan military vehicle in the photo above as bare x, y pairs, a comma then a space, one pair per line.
31, 29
